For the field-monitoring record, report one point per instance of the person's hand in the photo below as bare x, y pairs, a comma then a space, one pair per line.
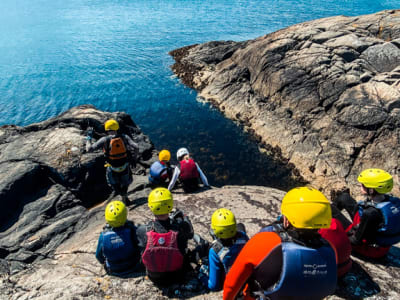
89, 133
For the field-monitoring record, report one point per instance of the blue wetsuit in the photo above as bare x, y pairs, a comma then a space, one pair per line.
117, 248
222, 258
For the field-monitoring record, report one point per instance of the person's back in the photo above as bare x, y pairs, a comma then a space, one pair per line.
229, 239
290, 260
188, 172
164, 240
117, 246
161, 170
115, 147
376, 221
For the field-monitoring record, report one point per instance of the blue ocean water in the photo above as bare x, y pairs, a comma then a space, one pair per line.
57, 54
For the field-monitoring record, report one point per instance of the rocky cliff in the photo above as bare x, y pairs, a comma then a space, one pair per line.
53, 195
324, 94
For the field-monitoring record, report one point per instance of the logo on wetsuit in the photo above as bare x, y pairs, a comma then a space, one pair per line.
315, 270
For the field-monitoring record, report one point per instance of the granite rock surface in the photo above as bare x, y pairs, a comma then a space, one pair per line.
324, 94
53, 197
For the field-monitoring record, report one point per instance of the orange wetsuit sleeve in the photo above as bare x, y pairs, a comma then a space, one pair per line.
251, 255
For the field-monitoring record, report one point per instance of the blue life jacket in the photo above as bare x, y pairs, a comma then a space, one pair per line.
227, 255
156, 169
306, 273
389, 233
118, 249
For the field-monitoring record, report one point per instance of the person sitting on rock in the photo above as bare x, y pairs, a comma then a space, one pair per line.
188, 172
161, 170
229, 239
114, 145
376, 220
288, 260
117, 247
165, 240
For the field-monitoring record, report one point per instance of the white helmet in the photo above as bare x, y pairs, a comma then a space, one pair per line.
181, 152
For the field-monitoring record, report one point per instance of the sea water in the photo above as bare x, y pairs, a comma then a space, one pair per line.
56, 54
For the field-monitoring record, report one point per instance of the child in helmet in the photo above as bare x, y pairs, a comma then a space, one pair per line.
117, 247
114, 145
376, 220
161, 170
165, 239
229, 239
288, 260
188, 172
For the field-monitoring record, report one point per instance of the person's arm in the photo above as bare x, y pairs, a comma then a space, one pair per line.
216, 271
249, 257
174, 178
99, 250
134, 147
92, 147
202, 176
141, 237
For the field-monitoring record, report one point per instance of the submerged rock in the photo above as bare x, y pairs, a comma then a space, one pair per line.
325, 93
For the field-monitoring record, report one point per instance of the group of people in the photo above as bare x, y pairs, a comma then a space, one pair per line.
301, 255
120, 150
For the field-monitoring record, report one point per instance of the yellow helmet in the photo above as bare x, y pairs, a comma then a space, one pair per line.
307, 208
116, 214
111, 125
164, 155
160, 201
223, 223
377, 179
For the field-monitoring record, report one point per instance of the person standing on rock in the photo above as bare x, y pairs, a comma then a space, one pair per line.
188, 172
161, 170
376, 220
288, 260
165, 240
117, 247
115, 147
229, 239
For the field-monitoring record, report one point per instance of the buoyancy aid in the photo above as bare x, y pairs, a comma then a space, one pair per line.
188, 169
162, 253
157, 171
307, 273
338, 238
118, 249
227, 255
115, 151
365, 249
389, 233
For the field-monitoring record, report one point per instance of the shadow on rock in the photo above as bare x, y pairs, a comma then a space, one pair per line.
357, 284
391, 259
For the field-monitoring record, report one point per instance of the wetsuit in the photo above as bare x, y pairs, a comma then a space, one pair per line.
118, 177
160, 174
184, 228
370, 233
189, 184
221, 258
117, 249
276, 267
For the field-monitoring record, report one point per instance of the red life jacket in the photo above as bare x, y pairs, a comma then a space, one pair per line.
162, 253
365, 249
338, 239
188, 169
115, 151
